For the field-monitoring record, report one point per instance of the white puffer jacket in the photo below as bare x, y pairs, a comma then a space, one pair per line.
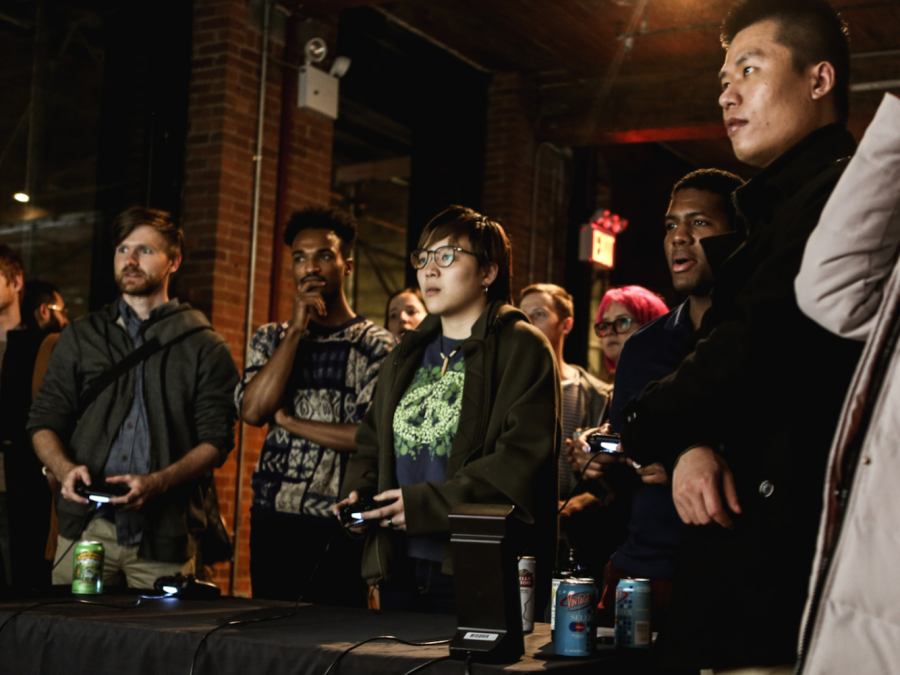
850, 284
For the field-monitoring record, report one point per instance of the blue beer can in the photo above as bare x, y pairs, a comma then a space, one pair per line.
633, 613
576, 600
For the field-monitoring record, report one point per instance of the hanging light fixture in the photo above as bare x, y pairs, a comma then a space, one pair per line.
21, 197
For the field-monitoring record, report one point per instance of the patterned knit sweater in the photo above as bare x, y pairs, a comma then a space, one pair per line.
332, 380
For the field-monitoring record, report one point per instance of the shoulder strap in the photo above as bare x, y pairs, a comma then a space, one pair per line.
139, 355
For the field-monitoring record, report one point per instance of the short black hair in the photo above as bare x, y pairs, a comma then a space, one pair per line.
813, 31
161, 221
323, 218
721, 183
487, 239
37, 293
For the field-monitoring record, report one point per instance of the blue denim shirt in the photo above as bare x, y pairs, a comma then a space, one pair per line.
130, 451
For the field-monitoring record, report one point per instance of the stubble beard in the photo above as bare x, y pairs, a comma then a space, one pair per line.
142, 287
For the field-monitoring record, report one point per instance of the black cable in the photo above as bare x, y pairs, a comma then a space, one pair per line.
466, 663
268, 618
81, 527
235, 623
579, 483
423, 666
383, 637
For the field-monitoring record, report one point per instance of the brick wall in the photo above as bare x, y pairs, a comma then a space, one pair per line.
217, 208
509, 181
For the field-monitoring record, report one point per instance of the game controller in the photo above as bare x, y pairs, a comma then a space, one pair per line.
351, 514
100, 491
187, 587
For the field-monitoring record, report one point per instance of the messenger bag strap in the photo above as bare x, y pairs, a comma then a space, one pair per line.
138, 356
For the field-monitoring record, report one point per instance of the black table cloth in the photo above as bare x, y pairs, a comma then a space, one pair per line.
162, 636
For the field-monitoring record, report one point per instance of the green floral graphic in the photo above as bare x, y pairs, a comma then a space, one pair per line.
425, 422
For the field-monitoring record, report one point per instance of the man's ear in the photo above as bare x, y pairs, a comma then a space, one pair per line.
18, 283
822, 80
175, 263
348, 266
566, 325
42, 314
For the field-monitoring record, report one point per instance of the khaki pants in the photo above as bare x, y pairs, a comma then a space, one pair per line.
120, 563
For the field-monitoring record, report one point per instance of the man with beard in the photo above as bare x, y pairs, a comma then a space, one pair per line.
139, 395
311, 380
28, 492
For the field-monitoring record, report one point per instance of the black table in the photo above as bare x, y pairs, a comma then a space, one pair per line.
161, 637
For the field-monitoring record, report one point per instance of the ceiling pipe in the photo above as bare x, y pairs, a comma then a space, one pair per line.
875, 86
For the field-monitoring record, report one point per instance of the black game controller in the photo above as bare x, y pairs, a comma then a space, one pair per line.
187, 587
351, 514
100, 491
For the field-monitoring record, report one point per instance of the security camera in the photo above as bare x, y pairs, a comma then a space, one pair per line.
316, 50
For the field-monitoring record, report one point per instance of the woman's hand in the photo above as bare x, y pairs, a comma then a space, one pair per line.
391, 516
352, 498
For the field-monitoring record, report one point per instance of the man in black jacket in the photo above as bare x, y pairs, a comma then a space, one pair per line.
744, 424
158, 429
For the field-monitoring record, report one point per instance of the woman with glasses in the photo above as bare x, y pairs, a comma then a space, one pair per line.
464, 413
622, 311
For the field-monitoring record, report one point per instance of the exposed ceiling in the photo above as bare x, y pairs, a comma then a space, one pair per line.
620, 71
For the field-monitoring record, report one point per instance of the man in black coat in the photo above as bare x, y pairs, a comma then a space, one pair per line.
744, 425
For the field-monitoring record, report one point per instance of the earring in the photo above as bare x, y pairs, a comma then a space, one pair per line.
485, 289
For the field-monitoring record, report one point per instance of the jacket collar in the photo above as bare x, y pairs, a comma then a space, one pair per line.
496, 316
784, 177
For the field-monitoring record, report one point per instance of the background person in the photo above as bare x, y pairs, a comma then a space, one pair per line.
433, 439
29, 496
405, 310
311, 380
158, 428
622, 311
700, 216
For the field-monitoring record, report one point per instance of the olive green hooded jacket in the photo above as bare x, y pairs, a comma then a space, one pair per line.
505, 447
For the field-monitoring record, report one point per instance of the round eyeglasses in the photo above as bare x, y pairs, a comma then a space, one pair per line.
616, 327
443, 256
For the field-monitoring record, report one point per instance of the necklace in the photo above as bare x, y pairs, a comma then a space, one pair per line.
446, 358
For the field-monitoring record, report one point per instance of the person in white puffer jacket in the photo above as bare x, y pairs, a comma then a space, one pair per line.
850, 284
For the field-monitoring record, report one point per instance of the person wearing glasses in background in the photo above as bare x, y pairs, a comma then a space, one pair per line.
622, 311
465, 412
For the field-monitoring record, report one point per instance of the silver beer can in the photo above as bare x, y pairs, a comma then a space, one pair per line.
526, 591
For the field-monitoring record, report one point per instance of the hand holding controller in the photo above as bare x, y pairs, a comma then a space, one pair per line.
100, 491
351, 514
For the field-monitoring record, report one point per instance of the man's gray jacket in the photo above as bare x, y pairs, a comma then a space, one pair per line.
187, 393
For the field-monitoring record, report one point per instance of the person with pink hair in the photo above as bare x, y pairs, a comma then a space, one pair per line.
622, 311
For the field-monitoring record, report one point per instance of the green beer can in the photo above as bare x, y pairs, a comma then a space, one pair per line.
87, 570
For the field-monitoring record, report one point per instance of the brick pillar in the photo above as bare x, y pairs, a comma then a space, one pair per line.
509, 182
217, 210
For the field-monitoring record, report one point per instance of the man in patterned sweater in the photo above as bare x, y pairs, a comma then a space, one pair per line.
311, 379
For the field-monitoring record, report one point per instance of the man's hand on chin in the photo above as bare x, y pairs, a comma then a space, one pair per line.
699, 482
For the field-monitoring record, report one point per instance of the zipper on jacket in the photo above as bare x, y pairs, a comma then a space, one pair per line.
849, 463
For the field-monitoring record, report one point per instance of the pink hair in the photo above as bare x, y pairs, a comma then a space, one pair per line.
642, 304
